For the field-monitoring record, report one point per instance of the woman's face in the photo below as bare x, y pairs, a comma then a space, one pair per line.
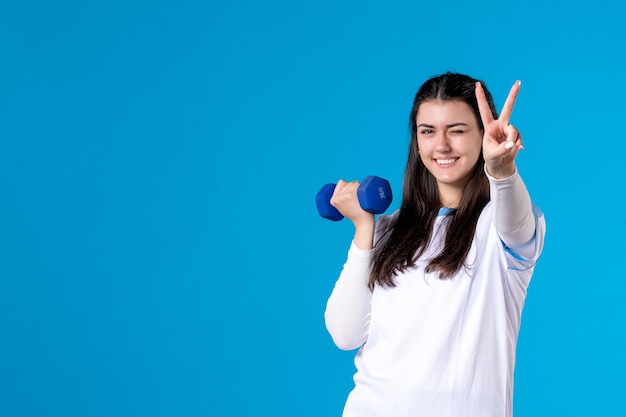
449, 141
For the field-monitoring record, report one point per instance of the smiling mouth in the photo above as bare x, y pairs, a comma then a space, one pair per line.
446, 162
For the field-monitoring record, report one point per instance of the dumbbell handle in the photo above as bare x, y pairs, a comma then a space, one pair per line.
374, 195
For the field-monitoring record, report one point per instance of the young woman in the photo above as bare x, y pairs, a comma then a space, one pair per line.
432, 294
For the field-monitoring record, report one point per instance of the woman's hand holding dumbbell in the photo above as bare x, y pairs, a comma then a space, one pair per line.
345, 199
357, 202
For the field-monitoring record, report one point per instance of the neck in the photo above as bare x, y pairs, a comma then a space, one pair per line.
450, 196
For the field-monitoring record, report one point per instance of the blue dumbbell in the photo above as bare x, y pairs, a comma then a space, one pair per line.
374, 195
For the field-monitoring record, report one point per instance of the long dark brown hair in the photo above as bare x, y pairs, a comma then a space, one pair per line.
409, 236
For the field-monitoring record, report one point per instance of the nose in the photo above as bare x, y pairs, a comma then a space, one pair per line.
442, 143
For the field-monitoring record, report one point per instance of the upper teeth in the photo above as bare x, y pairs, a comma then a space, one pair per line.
445, 161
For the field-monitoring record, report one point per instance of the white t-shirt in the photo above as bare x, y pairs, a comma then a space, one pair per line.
433, 347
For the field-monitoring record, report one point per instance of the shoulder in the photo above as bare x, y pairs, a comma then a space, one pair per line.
519, 257
386, 221
384, 224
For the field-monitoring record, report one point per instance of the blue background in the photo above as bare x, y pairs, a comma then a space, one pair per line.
160, 250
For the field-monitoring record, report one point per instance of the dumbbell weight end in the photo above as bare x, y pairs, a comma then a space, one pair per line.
322, 200
374, 194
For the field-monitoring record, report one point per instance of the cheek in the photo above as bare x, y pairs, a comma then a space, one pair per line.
423, 152
423, 147
473, 146
474, 153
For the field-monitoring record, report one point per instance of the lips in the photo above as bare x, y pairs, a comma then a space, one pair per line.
446, 162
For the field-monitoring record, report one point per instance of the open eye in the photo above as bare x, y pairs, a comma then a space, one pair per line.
426, 131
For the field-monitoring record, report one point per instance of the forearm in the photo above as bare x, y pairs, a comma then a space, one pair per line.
364, 234
512, 209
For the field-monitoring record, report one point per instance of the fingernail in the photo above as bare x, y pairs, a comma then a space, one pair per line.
508, 145
519, 82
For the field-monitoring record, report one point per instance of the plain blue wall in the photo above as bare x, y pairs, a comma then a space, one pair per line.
160, 251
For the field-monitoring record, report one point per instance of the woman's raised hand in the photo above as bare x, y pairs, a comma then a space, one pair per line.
345, 200
501, 140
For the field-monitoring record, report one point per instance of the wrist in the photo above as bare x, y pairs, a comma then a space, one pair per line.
500, 172
364, 234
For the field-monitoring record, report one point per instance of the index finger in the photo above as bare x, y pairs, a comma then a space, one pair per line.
483, 107
507, 109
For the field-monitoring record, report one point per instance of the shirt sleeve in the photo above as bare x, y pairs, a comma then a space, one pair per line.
513, 215
348, 308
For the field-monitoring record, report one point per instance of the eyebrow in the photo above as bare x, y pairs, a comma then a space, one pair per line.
447, 126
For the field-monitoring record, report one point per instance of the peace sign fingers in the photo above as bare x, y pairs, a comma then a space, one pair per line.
483, 106
499, 136
507, 109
